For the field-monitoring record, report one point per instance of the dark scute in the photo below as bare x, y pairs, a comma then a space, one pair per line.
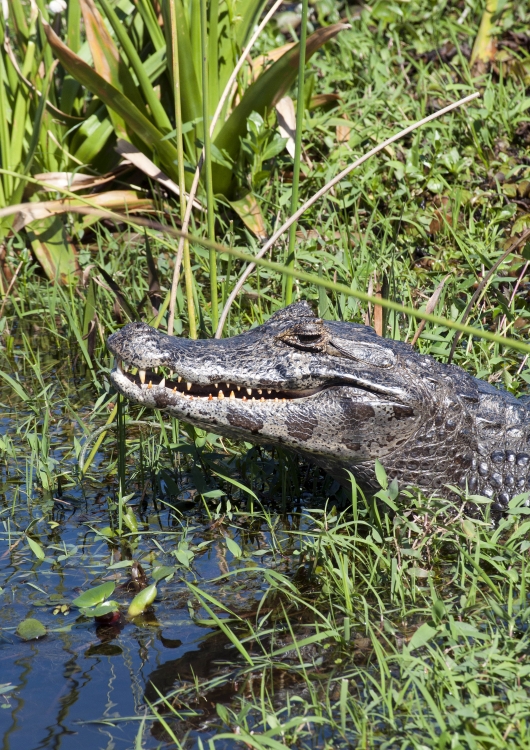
402, 412
510, 456
509, 481
472, 484
497, 457
483, 469
247, 422
522, 459
503, 498
357, 411
162, 400
302, 429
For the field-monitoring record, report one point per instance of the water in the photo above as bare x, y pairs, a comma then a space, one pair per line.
88, 685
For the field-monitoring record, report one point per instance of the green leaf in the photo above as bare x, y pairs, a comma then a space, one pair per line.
422, 636
263, 94
157, 110
233, 547
117, 101
142, 600
94, 596
99, 610
249, 211
184, 557
108, 62
31, 629
380, 474
36, 548
15, 385
163, 571
53, 249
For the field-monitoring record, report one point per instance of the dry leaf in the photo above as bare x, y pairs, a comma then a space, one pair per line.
142, 162
429, 308
287, 122
126, 200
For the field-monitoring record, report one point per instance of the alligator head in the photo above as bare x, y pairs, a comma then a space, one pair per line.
333, 392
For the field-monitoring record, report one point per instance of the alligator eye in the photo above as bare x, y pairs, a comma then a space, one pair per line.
310, 336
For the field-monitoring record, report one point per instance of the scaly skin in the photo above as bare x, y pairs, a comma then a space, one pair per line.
338, 394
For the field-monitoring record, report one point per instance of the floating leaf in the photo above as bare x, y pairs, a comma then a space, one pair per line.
142, 600
31, 629
99, 610
163, 571
233, 547
36, 548
95, 596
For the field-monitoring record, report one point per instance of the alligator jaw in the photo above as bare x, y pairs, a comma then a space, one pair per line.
174, 386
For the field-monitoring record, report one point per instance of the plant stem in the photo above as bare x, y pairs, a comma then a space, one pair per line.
300, 106
210, 203
185, 254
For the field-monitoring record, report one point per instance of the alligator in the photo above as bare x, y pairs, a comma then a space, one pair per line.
340, 395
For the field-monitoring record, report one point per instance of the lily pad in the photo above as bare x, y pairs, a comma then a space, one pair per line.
95, 596
31, 629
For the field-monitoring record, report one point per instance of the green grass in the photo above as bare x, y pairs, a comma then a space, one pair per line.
339, 622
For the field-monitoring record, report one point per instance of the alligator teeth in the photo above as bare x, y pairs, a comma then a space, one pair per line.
238, 387
276, 400
210, 397
262, 399
162, 383
171, 373
253, 399
216, 385
150, 385
260, 391
269, 390
249, 391
156, 370
227, 386
188, 386
220, 395
244, 398
141, 374
232, 394
179, 379
175, 389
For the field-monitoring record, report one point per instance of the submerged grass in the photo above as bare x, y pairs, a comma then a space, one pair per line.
303, 616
